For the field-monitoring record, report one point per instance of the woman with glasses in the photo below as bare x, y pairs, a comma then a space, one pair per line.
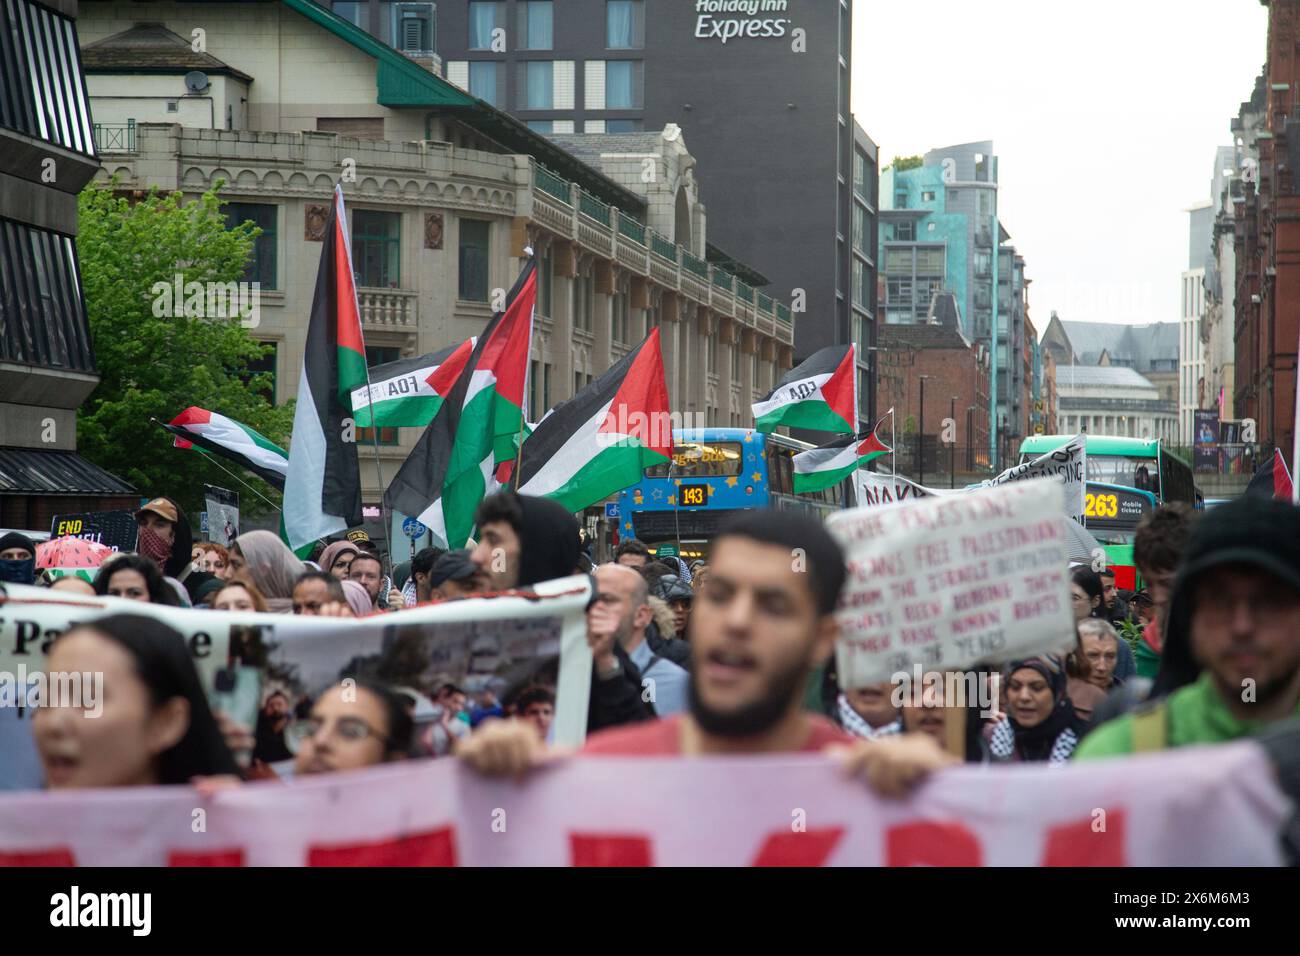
351, 726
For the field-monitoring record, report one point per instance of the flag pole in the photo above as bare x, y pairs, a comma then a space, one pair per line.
519, 450
893, 446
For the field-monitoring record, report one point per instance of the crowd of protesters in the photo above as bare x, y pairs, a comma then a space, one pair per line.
732, 656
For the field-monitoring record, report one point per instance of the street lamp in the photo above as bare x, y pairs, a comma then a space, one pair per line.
920, 436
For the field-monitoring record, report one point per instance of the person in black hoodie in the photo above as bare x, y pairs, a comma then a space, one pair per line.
165, 537
525, 540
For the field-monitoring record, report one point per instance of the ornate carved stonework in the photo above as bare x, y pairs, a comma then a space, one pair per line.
316, 219
433, 230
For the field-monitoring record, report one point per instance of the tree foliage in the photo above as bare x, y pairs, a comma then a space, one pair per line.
153, 362
903, 163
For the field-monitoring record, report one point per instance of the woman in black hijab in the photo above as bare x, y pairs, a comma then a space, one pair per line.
1041, 724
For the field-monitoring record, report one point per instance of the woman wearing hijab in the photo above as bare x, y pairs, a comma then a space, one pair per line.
358, 598
155, 728
270, 564
329, 559
1041, 724
17, 559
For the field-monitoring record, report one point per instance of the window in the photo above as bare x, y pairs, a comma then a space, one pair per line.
927, 196
262, 366
546, 385
355, 12
711, 345
536, 85
545, 282
387, 434
42, 92
860, 173
952, 197
753, 371
542, 126
261, 261
484, 18
860, 228
984, 202
900, 199
376, 248
484, 81
735, 363
905, 231
623, 126
621, 323
413, 27
536, 25
584, 302
623, 84
929, 260
721, 459
42, 316
981, 168
859, 283
474, 236
625, 24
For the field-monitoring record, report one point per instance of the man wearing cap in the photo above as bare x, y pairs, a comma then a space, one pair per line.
453, 575
164, 536
1231, 649
17, 559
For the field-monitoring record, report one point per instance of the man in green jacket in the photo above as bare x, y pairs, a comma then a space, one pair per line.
1231, 657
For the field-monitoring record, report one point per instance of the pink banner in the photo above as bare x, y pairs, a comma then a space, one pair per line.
1193, 807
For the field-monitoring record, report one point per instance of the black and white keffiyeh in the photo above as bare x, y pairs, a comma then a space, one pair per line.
1002, 743
853, 723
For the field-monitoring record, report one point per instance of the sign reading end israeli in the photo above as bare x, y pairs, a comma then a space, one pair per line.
947, 583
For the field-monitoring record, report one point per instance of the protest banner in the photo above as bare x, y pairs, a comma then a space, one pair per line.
1068, 464
1188, 807
223, 514
873, 489
463, 640
945, 583
115, 529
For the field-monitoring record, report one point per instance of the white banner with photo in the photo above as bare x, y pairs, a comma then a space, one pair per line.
467, 641
1213, 806
945, 583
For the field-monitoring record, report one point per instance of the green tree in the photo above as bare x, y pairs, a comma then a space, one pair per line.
155, 363
903, 163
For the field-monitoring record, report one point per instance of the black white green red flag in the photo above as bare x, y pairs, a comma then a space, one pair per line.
477, 428
406, 393
602, 440
216, 434
820, 394
322, 489
830, 464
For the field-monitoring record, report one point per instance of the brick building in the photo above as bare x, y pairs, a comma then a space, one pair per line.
936, 360
1267, 239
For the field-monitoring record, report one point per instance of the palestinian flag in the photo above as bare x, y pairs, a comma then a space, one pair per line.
322, 489
1272, 480
601, 440
218, 435
476, 429
405, 392
830, 464
820, 394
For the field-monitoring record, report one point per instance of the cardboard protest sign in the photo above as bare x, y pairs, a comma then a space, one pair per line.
1216, 806
945, 583
115, 529
1068, 464
302, 655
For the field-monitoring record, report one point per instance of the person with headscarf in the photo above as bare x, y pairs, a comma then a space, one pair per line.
358, 598
270, 564
17, 559
1040, 724
523, 540
329, 559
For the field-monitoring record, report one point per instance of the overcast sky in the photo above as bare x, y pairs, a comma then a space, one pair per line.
1104, 116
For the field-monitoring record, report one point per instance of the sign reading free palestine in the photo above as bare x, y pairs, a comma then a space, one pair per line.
749, 24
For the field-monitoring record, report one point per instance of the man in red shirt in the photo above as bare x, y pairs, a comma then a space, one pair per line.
764, 618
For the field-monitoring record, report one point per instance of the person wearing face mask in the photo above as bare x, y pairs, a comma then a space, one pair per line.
17, 559
1040, 724
164, 536
155, 728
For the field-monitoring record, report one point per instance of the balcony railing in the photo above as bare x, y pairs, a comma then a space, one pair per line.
550, 183
115, 137
696, 266
723, 280
629, 227
662, 247
590, 206
388, 307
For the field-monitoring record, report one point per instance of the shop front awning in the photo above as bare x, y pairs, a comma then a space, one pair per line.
31, 471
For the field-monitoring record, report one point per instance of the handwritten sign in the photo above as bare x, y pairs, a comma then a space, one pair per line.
875, 489
946, 583
1067, 464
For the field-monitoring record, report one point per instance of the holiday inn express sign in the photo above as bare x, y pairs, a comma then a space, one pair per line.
739, 19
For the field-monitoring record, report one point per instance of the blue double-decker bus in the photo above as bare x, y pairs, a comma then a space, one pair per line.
714, 474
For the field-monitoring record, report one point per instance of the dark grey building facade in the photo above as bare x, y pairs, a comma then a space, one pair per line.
47, 363
760, 89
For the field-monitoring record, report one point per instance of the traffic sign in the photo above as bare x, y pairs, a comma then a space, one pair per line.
611, 510
412, 528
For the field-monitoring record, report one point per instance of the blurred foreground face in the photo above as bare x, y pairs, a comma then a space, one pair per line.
755, 633
1029, 697
128, 584
308, 596
540, 714
348, 729
924, 709
74, 584
634, 561
119, 747
497, 556
1246, 628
